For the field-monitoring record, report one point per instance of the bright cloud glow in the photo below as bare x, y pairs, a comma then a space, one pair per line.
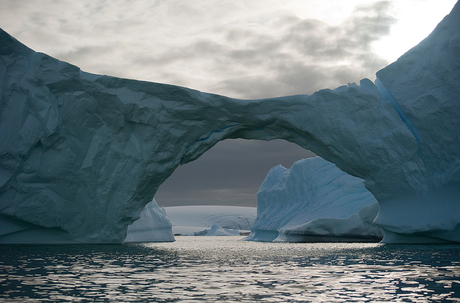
415, 20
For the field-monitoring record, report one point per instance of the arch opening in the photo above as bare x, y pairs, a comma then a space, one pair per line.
230, 173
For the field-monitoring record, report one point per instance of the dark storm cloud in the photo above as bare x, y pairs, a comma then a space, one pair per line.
345, 41
316, 55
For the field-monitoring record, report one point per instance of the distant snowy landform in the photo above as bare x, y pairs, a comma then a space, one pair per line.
206, 220
82, 154
314, 201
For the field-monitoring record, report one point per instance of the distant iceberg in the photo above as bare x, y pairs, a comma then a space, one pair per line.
152, 226
82, 154
314, 201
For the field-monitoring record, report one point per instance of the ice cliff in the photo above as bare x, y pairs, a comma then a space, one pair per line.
152, 226
314, 201
82, 154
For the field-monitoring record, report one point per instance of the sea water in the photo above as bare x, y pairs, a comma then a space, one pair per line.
209, 269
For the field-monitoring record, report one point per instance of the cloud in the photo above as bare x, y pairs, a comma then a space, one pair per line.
282, 57
231, 48
309, 55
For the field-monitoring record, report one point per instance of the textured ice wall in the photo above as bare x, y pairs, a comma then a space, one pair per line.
83, 153
424, 87
152, 226
314, 201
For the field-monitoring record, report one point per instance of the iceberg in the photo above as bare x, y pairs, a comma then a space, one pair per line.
314, 201
152, 226
82, 154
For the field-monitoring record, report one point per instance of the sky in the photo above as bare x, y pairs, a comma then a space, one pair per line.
237, 48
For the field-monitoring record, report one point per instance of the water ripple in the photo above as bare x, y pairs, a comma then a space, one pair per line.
212, 269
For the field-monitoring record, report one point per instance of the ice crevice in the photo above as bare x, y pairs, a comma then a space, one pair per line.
406, 152
389, 97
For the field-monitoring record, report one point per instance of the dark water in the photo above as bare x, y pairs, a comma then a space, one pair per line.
211, 269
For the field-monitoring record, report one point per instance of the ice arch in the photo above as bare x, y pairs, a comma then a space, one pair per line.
83, 153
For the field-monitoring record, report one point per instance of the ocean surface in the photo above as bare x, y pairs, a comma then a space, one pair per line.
208, 269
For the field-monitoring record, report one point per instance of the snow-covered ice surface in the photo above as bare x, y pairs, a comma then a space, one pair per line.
152, 226
314, 201
196, 219
82, 154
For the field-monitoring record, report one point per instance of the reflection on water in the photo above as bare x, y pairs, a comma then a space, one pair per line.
224, 269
